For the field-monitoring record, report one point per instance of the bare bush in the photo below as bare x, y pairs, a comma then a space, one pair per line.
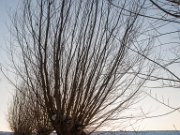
26, 116
20, 118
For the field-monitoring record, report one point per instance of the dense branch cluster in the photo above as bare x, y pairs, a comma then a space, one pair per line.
79, 64
27, 117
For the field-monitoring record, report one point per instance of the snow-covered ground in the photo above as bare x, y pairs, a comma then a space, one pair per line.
122, 133
139, 133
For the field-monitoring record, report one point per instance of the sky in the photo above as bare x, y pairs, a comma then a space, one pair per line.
167, 122
6, 7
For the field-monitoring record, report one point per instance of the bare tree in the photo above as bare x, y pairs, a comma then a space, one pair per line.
82, 59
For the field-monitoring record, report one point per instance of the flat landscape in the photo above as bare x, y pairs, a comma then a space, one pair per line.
121, 133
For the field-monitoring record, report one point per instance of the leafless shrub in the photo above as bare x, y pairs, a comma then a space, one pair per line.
20, 118
26, 116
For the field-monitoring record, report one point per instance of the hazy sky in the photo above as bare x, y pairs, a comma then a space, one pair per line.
168, 122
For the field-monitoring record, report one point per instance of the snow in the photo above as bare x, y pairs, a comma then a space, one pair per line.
138, 133
121, 133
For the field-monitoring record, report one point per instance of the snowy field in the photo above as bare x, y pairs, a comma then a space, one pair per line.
140, 133
122, 133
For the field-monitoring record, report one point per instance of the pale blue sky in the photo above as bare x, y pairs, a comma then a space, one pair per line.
6, 90
6, 7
